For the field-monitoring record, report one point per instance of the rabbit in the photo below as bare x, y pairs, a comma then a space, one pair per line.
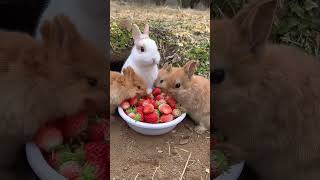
44, 80
124, 86
266, 97
191, 91
144, 57
88, 17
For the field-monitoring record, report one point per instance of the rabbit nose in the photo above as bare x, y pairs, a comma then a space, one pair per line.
218, 76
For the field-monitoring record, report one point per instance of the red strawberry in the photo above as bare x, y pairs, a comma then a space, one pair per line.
156, 91
165, 109
150, 96
131, 115
176, 112
151, 118
133, 101
153, 102
141, 115
53, 160
162, 101
140, 102
70, 170
172, 103
74, 125
48, 137
148, 108
158, 97
125, 105
97, 156
145, 102
97, 131
139, 109
166, 118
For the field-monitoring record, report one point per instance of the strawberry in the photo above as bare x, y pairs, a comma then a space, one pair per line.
165, 109
153, 102
162, 101
150, 96
130, 110
97, 156
171, 102
48, 137
133, 101
156, 91
53, 160
137, 117
97, 131
151, 118
70, 170
139, 109
166, 118
140, 102
141, 115
145, 102
176, 112
148, 109
125, 105
158, 97
132, 115
158, 112
74, 125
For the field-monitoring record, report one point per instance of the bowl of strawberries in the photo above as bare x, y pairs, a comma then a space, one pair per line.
73, 147
154, 114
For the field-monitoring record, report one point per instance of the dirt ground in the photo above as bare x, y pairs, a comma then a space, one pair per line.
136, 156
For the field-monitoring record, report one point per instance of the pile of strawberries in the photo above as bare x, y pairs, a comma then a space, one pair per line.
76, 146
156, 107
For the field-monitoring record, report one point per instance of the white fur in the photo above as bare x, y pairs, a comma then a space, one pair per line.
89, 17
145, 64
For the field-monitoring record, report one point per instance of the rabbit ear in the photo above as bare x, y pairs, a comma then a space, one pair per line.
146, 30
59, 33
136, 33
167, 66
190, 68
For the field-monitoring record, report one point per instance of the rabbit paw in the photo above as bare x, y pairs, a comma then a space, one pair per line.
200, 129
149, 90
233, 153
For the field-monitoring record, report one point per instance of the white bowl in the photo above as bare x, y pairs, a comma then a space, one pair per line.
233, 173
39, 165
151, 129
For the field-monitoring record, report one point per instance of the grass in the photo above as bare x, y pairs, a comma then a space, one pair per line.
181, 35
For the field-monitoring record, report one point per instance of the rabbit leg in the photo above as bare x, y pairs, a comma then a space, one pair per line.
200, 129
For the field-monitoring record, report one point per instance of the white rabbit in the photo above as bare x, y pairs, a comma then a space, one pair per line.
88, 17
144, 57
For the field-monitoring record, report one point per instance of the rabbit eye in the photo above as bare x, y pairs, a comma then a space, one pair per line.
161, 81
92, 81
178, 85
138, 87
142, 49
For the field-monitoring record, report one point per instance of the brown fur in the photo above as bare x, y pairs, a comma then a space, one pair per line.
269, 103
45, 80
124, 87
193, 93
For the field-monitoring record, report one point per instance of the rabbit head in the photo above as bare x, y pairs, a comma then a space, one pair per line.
79, 70
145, 50
178, 78
134, 84
163, 74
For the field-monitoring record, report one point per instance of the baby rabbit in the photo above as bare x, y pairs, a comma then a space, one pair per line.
124, 86
191, 91
144, 57
267, 104
61, 75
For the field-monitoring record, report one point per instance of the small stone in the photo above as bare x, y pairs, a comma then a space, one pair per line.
184, 141
125, 169
159, 151
174, 151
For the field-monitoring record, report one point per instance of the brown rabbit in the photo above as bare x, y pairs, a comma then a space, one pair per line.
124, 86
45, 80
268, 104
191, 91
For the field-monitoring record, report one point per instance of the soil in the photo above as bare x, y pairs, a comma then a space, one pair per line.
136, 156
